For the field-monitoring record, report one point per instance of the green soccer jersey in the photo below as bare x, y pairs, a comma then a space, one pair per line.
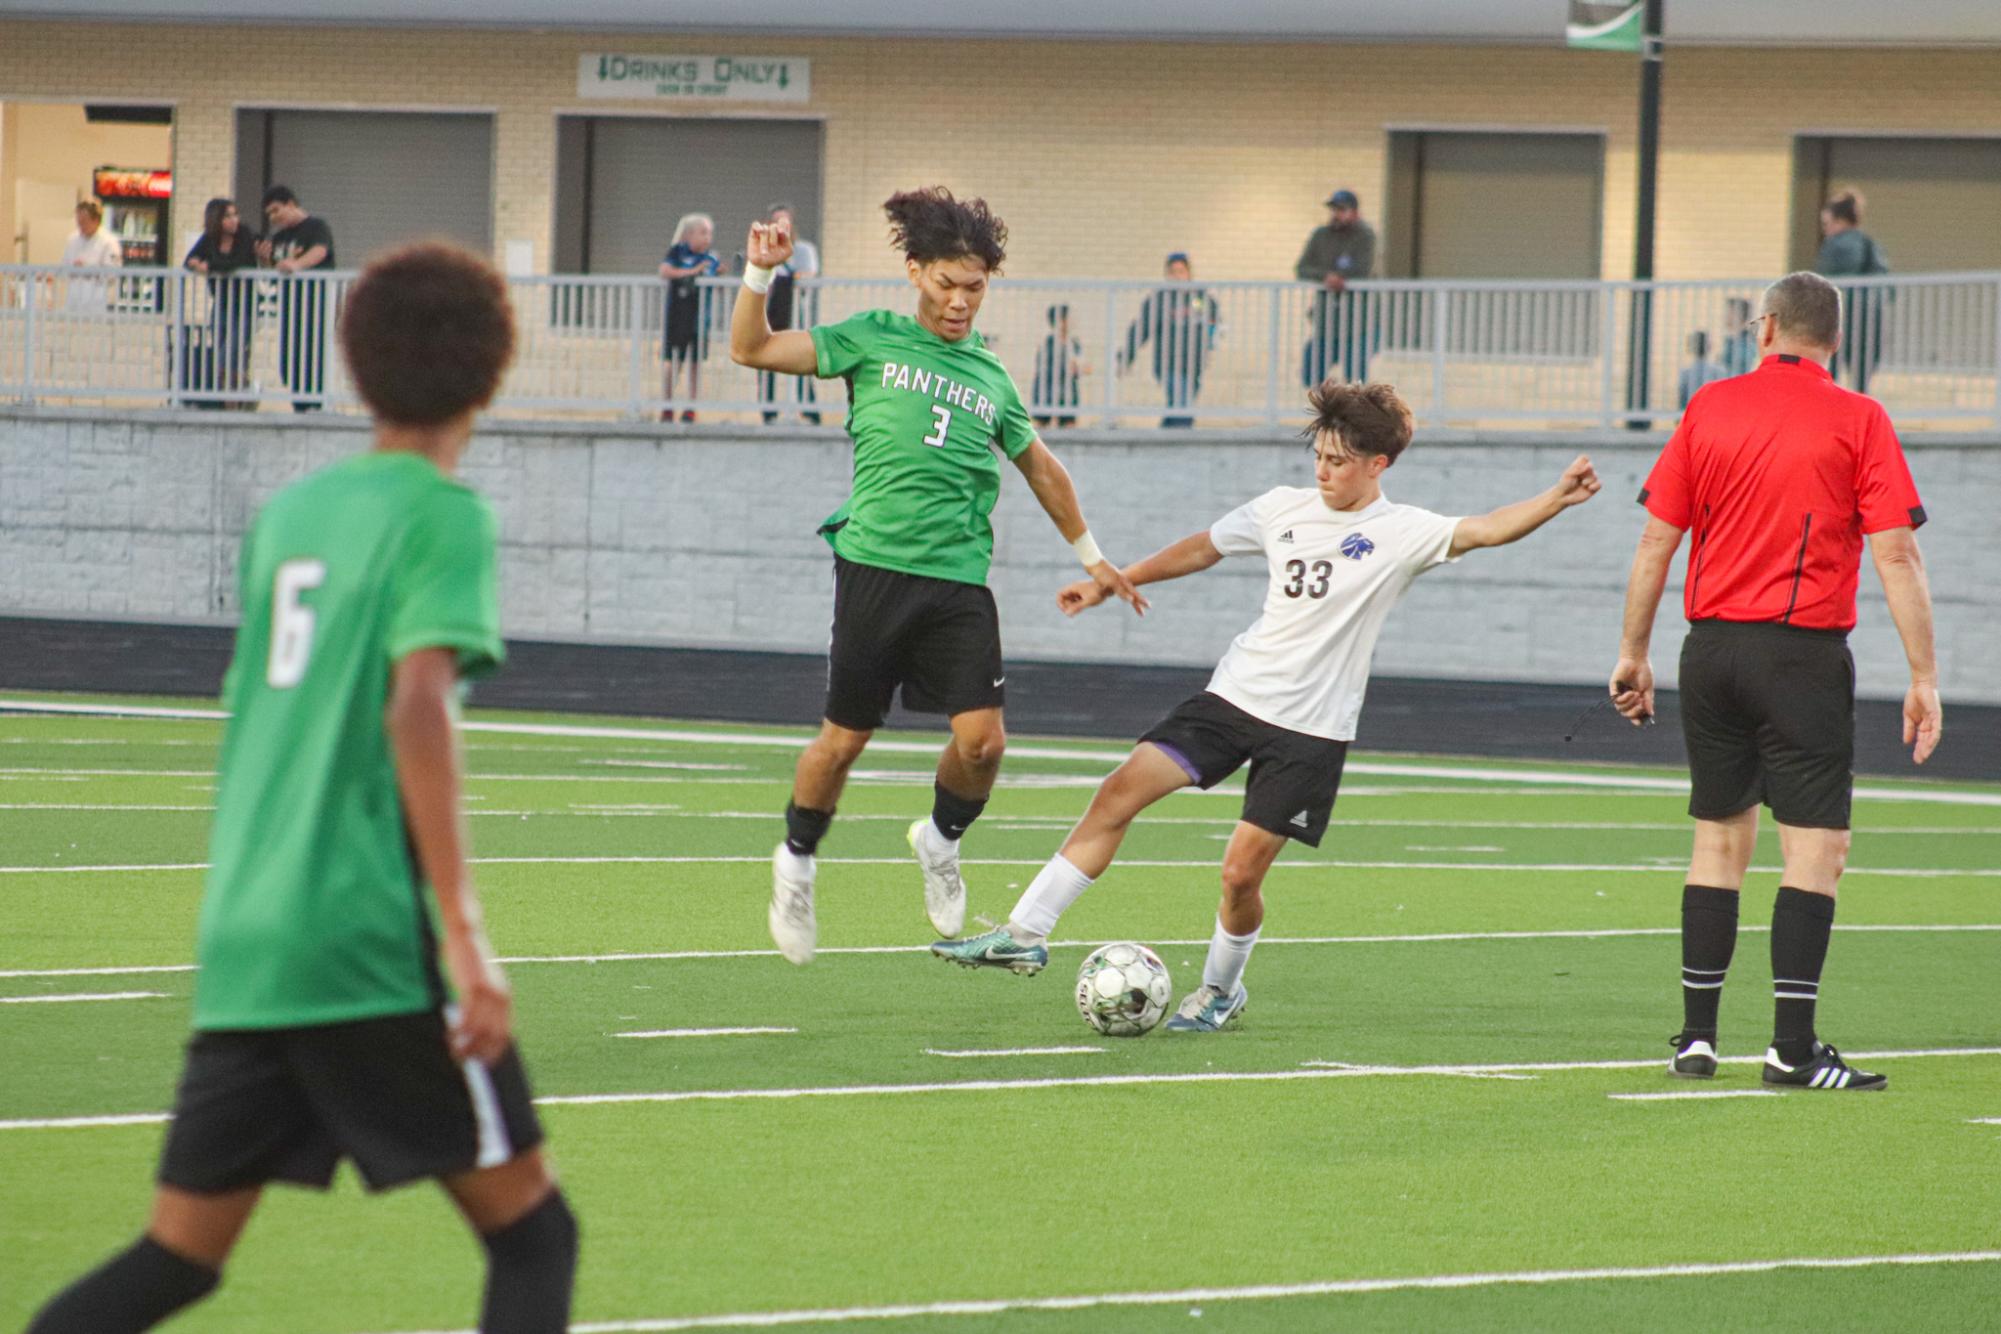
924, 415
314, 912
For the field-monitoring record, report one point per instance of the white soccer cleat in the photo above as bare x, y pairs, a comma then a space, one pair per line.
944, 887
793, 927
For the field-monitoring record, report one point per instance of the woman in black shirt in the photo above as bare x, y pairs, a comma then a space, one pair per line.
222, 250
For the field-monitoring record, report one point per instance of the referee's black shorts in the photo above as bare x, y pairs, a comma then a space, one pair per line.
287, 1104
938, 639
1768, 712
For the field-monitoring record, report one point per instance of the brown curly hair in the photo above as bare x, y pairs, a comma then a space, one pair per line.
1365, 418
930, 224
428, 333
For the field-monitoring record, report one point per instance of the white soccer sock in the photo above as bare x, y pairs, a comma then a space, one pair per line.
1224, 968
797, 866
1055, 887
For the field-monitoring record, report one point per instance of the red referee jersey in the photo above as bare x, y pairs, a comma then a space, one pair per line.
1779, 473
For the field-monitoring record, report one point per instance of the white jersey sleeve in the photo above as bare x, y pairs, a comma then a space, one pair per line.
1427, 540
1241, 531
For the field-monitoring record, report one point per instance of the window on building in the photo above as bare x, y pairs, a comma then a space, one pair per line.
377, 177
1932, 203
1467, 204
623, 181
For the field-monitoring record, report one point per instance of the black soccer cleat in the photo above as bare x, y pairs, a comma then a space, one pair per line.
1825, 1071
1694, 1058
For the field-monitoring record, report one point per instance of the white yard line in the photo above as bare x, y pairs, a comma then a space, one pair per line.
1985, 1121
1677, 867
700, 1032
1695, 1093
1309, 1071
83, 996
1014, 1051
1435, 937
1194, 1297
795, 741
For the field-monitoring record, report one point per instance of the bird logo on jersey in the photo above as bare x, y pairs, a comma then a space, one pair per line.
1354, 546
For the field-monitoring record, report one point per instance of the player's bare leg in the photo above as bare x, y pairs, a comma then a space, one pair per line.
1222, 996
1716, 870
1147, 775
966, 773
817, 782
174, 1265
530, 1238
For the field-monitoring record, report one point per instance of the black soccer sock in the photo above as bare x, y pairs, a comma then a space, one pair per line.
1708, 939
531, 1265
132, 1291
1801, 923
951, 814
805, 828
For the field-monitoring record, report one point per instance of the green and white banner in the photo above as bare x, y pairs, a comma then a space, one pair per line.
1605, 27
706, 78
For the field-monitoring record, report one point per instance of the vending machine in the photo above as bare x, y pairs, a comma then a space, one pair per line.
136, 201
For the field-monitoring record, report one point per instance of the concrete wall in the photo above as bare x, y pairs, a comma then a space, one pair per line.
638, 535
1224, 150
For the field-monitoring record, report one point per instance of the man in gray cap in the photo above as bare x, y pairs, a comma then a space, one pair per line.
1337, 254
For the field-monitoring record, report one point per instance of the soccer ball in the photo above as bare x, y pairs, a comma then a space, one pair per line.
1123, 990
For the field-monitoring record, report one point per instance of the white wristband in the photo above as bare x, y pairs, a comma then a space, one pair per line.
757, 278
1087, 551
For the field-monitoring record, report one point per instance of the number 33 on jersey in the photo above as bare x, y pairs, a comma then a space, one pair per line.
1333, 578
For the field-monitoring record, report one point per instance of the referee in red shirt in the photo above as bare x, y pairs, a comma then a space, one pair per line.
1780, 474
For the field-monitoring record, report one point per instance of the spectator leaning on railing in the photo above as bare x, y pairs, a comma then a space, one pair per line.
219, 253
686, 334
1180, 322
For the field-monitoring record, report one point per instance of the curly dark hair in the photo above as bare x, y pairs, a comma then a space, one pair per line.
930, 224
428, 333
1365, 418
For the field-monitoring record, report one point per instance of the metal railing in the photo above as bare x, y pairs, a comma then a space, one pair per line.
1520, 355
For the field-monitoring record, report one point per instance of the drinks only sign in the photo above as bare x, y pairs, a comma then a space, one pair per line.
708, 78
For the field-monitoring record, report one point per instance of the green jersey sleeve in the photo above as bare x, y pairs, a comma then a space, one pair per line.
841, 348
446, 591
1014, 430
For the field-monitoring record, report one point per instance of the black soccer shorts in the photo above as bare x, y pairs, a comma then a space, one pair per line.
287, 1104
1768, 712
1294, 777
936, 638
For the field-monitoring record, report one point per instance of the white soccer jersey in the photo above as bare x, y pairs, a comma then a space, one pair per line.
1304, 664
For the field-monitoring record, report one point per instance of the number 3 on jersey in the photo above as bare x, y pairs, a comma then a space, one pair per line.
1323, 572
292, 622
944, 416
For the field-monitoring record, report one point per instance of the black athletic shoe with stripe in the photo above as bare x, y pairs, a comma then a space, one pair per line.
1694, 1058
1825, 1071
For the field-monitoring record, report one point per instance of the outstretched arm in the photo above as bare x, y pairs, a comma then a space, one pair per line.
1902, 570
1632, 684
1512, 523
1050, 481
419, 721
1191, 554
752, 342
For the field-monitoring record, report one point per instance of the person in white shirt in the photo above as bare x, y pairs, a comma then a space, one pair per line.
90, 246
1287, 694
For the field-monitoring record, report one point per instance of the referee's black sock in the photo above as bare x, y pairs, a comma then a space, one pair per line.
132, 1291
1708, 939
951, 814
805, 828
1801, 923
531, 1265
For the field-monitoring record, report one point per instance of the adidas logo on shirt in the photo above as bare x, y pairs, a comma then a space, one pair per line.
1285, 536
1300, 820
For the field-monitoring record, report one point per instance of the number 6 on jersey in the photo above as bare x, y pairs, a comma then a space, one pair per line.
292, 622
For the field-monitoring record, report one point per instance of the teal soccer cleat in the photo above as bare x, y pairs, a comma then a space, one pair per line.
994, 949
1207, 1009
